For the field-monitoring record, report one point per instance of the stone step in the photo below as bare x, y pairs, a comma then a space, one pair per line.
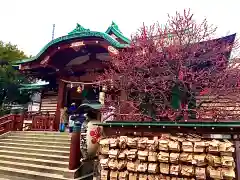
48, 108
36, 141
35, 161
23, 173
49, 101
21, 154
35, 155
35, 146
5, 177
50, 111
40, 137
50, 97
34, 167
41, 134
32, 150
43, 138
12, 177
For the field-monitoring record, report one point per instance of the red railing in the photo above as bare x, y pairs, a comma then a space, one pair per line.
11, 122
40, 122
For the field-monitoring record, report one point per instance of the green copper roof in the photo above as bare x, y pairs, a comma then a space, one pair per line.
33, 86
78, 29
116, 31
80, 32
30, 88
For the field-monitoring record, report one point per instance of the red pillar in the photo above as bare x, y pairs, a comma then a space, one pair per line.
61, 90
75, 153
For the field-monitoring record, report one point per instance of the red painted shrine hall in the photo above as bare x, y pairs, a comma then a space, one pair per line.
68, 59
68, 63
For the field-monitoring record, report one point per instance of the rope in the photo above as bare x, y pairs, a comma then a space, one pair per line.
84, 83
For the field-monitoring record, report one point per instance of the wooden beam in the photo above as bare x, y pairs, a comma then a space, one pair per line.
84, 78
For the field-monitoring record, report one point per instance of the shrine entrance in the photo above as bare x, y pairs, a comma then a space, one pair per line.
80, 94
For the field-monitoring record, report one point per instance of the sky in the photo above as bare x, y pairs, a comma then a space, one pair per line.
28, 23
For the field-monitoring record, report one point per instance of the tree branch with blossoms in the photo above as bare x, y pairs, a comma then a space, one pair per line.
173, 72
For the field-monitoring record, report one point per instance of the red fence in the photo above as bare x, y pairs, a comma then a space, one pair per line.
11, 122
38, 122
42, 123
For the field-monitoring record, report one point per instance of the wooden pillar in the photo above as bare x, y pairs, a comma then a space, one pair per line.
75, 153
237, 146
61, 90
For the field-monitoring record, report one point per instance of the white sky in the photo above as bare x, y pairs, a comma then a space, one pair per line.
28, 23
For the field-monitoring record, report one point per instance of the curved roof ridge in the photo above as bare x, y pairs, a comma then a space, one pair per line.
116, 31
78, 32
78, 29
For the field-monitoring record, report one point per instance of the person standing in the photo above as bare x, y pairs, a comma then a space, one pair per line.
72, 109
63, 119
72, 115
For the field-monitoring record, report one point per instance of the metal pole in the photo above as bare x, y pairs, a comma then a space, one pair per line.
53, 31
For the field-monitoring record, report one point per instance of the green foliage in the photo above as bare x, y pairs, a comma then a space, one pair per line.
10, 79
10, 53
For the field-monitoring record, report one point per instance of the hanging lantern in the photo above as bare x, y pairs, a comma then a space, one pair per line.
104, 89
79, 89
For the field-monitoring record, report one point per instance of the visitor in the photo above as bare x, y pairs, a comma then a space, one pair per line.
63, 119
72, 109
71, 122
72, 116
